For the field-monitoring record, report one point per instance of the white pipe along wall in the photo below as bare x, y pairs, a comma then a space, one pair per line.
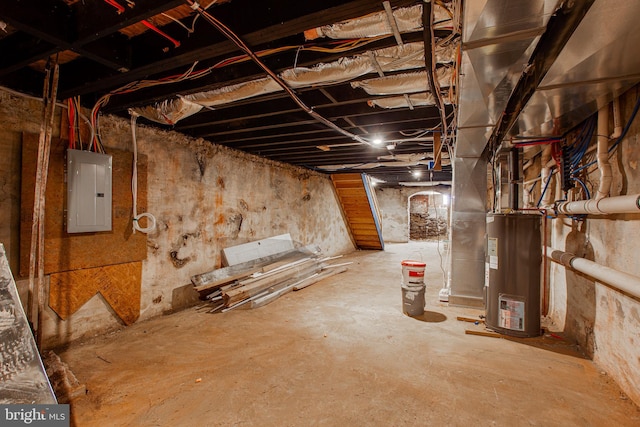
607, 205
601, 204
547, 163
624, 282
602, 151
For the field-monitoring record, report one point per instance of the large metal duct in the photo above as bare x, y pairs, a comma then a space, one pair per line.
498, 38
507, 46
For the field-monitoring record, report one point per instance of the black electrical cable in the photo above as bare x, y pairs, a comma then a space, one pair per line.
228, 33
620, 138
429, 47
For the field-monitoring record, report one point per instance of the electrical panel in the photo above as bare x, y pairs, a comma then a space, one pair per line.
88, 191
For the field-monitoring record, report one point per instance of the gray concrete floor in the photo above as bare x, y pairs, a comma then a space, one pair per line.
340, 352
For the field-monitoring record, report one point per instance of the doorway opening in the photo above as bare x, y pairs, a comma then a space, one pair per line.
428, 216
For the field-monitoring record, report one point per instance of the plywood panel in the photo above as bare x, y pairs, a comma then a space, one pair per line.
119, 285
63, 251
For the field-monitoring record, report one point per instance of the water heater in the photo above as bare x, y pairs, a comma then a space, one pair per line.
512, 274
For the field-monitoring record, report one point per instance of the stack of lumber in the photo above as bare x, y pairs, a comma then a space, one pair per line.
258, 282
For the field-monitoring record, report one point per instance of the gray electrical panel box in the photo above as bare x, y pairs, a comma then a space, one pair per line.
88, 191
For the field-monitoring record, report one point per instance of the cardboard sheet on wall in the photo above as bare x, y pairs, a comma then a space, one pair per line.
63, 251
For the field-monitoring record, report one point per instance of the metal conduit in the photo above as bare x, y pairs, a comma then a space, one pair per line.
619, 280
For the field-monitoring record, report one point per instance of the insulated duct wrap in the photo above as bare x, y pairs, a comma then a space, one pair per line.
377, 24
227, 94
342, 70
396, 58
168, 112
410, 160
365, 166
414, 100
402, 83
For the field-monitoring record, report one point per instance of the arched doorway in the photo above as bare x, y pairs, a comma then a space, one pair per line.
428, 215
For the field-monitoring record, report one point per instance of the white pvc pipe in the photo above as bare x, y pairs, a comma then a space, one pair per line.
526, 197
606, 174
617, 123
624, 282
607, 205
151, 220
547, 162
601, 204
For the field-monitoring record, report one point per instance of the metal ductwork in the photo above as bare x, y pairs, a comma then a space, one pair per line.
498, 38
528, 69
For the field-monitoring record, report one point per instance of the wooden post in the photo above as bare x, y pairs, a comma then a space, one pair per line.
37, 229
437, 152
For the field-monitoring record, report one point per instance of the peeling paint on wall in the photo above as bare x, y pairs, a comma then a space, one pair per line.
215, 195
603, 321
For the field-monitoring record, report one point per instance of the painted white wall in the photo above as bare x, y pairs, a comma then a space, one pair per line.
393, 204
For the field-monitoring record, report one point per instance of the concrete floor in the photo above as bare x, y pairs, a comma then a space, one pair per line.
340, 352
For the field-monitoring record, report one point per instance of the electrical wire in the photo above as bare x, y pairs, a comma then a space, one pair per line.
73, 114
157, 30
584, 187
192, 74
238, 42
58, 104
546, 185
430, 63
71, 117
619, 140
115, 4
545, 141
193, 23
433, 202
336, 47
179, 22
151, 220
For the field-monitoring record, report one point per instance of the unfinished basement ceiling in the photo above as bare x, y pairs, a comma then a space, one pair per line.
354, 72
357, 69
